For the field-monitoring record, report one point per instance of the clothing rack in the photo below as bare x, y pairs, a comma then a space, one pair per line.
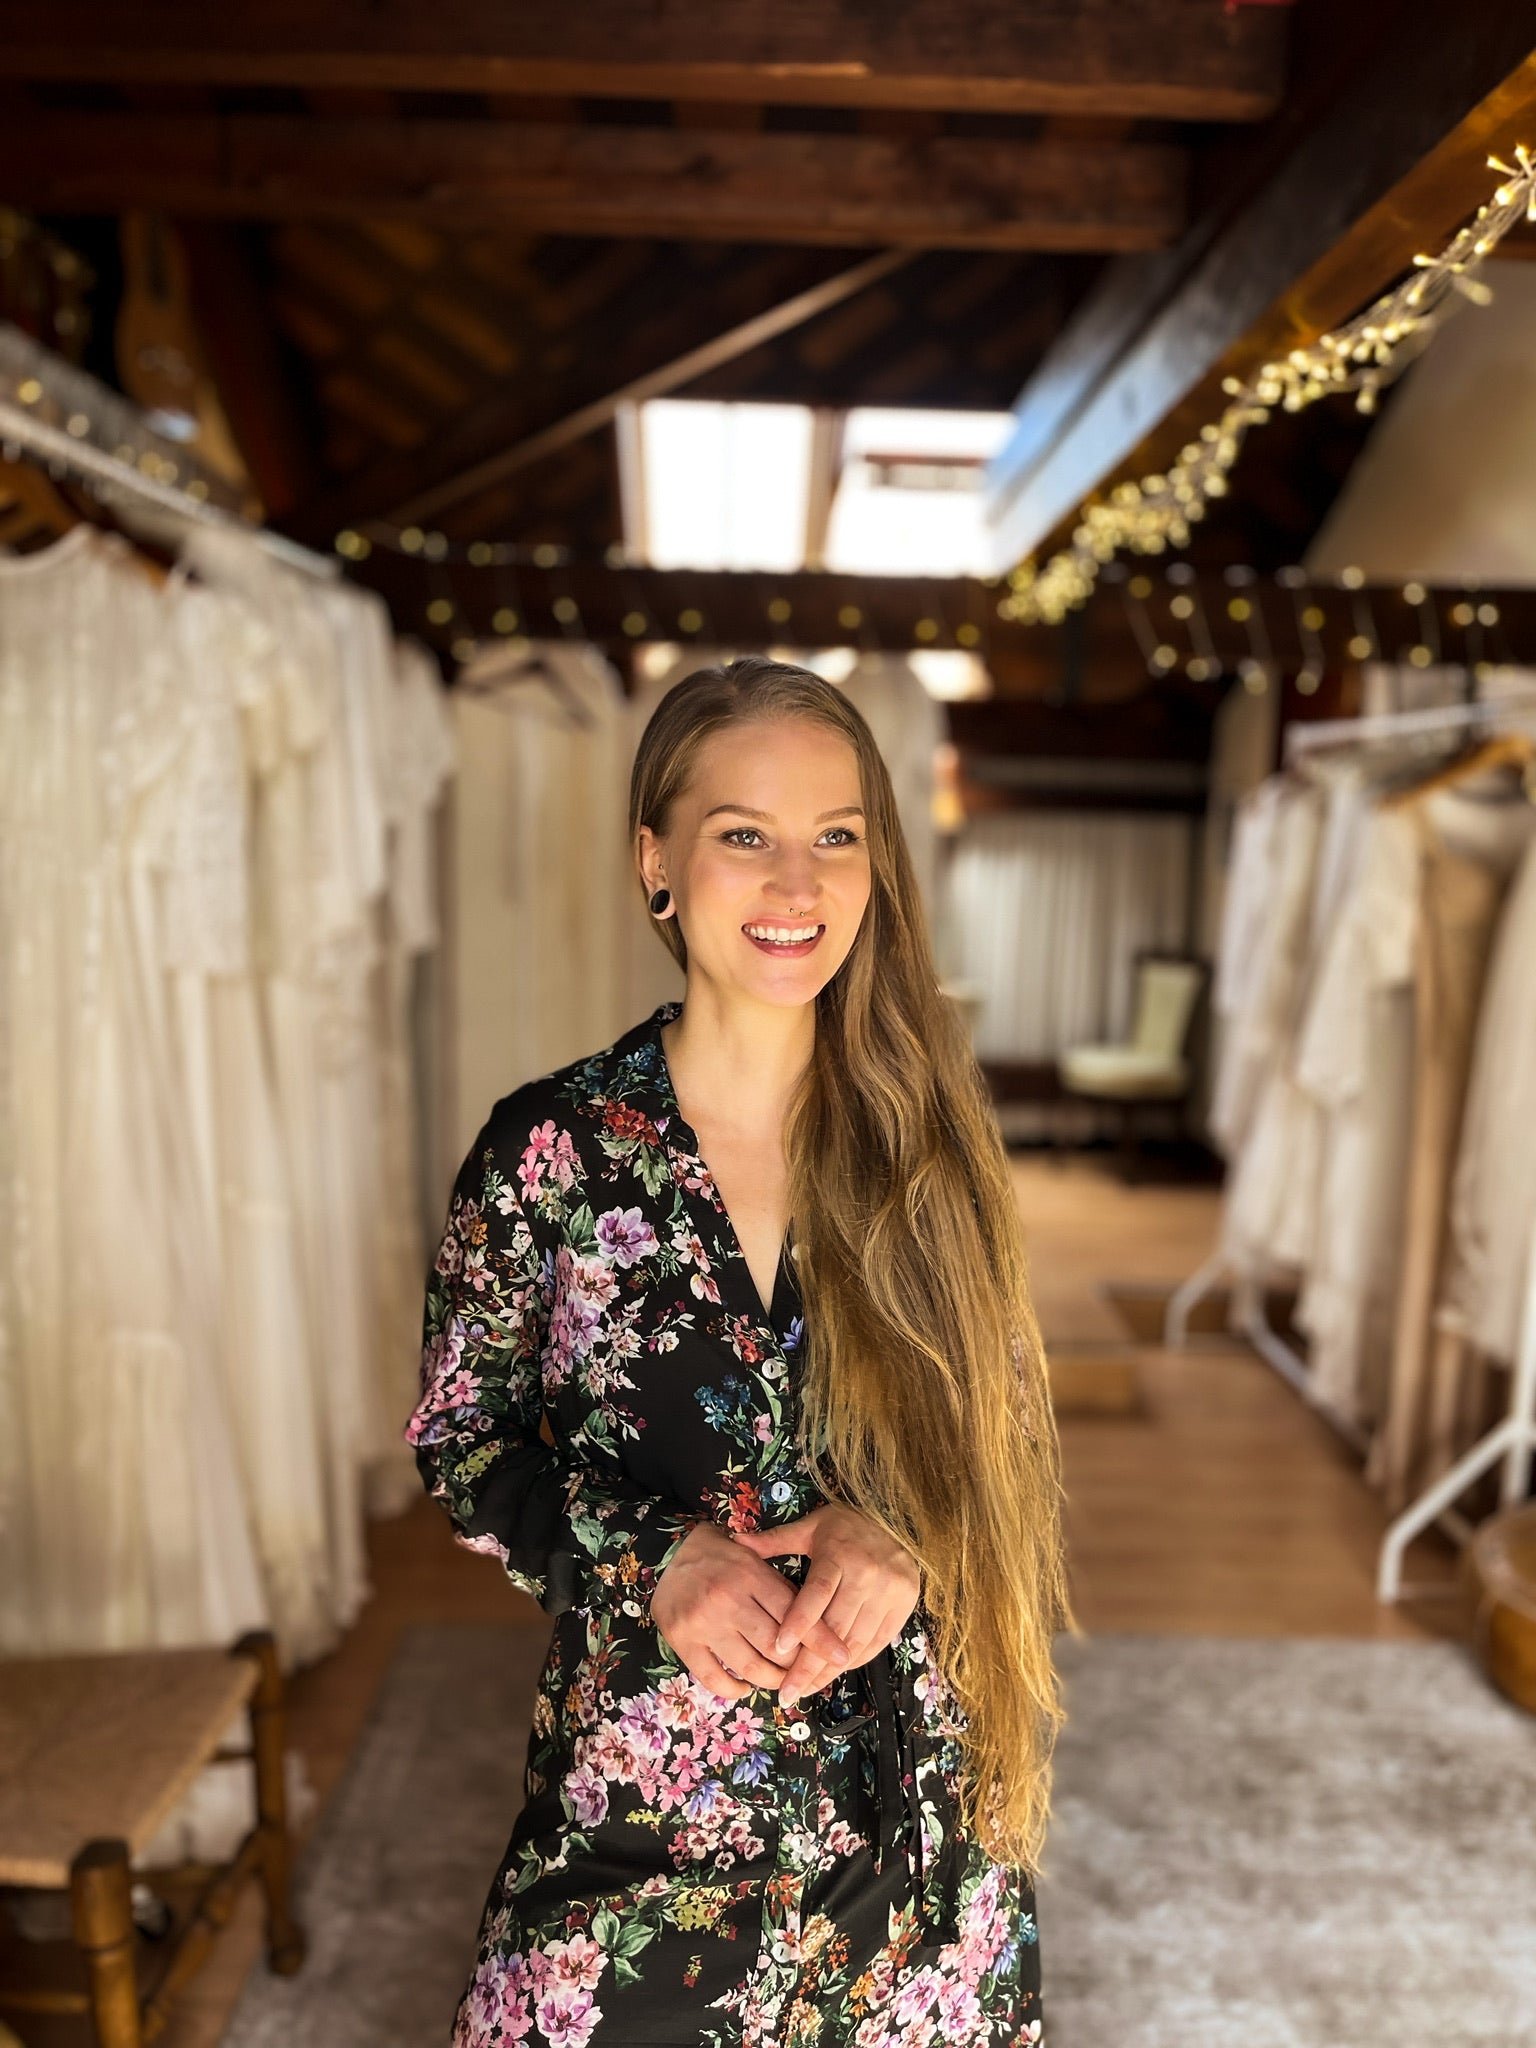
1443, 721
65, 420
1512, 1443
1514, 1440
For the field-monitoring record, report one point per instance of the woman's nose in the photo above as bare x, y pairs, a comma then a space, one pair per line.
795, 882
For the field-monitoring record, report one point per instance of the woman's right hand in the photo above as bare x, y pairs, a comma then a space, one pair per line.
718, 1608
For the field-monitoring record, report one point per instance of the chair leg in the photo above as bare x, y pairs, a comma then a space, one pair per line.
285, 1938
101, 1910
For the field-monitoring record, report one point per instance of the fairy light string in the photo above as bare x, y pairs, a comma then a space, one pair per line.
1157, 513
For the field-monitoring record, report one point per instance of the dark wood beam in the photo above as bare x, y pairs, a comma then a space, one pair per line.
1392, 163
1170, 59
473, 456
249, 364
960, 192
698, 362
625, 607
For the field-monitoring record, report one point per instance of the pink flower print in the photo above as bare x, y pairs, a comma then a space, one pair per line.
625, 1236
566, 1163
567, 2016
914, 1997
593, 1279
689, 1247
552, 1150
450, 1256
573, 1324
675, 1702
762, 1429
685, 1772
704, 1287
642, 1722
539, 1149
579, 1962
589, 1798
958, 2012
491, 2003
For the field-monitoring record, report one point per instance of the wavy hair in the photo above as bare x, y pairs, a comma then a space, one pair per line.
925, 1402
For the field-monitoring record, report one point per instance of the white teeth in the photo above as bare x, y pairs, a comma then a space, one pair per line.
782, 935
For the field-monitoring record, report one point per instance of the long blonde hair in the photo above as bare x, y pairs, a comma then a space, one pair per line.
925, 1402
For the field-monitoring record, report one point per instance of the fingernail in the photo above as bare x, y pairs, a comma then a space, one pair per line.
788, 1696
784, 1645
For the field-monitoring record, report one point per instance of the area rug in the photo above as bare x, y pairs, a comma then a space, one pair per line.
1283, 1844
1257, 1844
391, 1883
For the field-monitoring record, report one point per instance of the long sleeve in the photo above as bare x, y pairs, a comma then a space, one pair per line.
567, 1533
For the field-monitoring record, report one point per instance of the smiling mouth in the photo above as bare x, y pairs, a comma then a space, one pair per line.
777, 938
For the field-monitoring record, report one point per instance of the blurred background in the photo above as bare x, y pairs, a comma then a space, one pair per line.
393, 405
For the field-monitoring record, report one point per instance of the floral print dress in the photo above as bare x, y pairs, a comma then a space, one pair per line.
684, 1869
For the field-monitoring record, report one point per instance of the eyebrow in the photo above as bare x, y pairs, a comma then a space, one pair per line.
766, 817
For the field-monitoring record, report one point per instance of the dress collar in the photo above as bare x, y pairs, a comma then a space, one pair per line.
681, 1141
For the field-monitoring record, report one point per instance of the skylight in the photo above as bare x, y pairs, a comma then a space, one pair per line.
880, 491
910, 495
724, 486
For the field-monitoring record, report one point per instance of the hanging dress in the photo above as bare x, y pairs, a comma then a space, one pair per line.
123, 1520
685, 1869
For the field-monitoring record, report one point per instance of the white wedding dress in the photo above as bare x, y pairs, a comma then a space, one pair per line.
122, 1513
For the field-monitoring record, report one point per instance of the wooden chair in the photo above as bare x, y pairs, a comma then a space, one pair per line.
95, 1752
1153, 1067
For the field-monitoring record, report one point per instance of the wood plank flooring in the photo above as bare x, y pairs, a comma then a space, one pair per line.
1219, 1505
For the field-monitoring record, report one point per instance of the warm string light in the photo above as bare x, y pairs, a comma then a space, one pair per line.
1158, 512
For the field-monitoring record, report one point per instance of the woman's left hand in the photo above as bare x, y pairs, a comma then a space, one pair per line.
860, 1581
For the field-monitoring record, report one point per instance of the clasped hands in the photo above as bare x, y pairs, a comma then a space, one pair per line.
739, 1625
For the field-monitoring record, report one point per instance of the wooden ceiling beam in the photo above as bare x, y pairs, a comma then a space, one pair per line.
498, 438
845, 191
1394, 160
1182, 60
1099, 651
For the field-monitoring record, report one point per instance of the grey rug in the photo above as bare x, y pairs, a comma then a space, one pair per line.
1273, 1844
1282, 1844
391, 1883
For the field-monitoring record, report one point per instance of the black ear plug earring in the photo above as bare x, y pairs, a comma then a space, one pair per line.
661, 900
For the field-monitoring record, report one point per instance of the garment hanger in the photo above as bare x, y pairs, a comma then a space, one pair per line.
1503, 750
496, 672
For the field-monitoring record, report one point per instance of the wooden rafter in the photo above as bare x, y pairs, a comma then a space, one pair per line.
962, 192
731, 309
670, 376
1396, 160
620, 607
1170, 59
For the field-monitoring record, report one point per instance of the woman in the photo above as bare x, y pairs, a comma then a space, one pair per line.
799, 1523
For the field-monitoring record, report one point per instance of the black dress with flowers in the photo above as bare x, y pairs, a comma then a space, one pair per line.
685, 1869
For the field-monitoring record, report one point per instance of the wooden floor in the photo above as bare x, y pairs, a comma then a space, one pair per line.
1218, 1505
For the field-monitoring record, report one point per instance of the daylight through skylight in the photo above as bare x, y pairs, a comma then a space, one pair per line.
712, 485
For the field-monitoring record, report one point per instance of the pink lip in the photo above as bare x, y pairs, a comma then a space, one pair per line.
783, 952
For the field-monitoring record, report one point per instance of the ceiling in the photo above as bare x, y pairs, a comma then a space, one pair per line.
427, 251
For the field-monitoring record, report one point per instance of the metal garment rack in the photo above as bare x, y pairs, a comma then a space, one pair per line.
71, 424
1514, 1441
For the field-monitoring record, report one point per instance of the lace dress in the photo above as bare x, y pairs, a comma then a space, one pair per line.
122, 1512
684, 1870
